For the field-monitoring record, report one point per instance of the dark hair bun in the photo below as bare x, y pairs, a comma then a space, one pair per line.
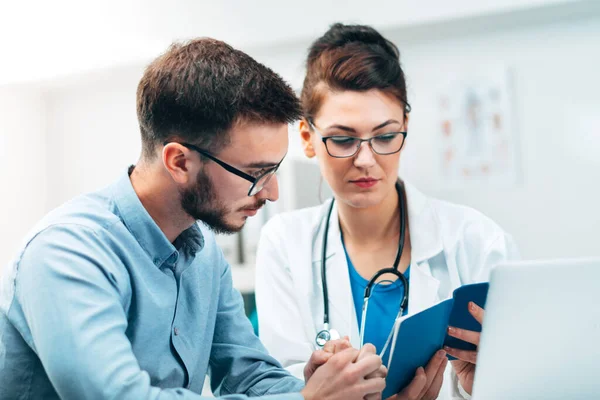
352, 57
340, 35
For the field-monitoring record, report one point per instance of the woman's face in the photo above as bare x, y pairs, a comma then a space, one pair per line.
366, 178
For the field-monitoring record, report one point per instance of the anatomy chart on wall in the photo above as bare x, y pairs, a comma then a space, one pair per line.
478, 142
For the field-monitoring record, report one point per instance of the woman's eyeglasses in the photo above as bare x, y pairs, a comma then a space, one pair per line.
347, 146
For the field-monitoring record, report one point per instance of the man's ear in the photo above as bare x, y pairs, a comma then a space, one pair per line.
177, 159
307, 137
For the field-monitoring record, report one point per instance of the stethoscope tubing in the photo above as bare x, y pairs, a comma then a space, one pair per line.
324, 335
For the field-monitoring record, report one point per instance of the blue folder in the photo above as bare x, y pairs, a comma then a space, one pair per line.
421, 335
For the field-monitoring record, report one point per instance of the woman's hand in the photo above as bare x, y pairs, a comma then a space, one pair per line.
344, 377
320, 357
332, 347
427, 383
380, 373
465, 365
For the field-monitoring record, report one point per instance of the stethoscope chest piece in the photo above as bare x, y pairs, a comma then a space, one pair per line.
326, 335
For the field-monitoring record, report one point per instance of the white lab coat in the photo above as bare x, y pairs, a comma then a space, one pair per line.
451, 245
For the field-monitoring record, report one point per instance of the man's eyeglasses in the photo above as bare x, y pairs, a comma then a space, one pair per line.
347, 146
257, 183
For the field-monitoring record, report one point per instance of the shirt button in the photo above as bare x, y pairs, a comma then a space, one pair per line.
176, 331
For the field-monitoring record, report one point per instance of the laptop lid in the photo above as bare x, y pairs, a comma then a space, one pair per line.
541, 332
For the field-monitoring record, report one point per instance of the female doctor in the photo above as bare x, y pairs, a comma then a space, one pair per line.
313, 265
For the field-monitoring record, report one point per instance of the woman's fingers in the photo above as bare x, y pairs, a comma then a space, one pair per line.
433, 390
431, 370
433, 366
335, 346
463, 334
476, 311
463, 355
414, 388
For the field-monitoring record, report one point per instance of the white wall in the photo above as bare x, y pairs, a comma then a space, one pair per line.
23, 176
554, 212
93, 135
115, 32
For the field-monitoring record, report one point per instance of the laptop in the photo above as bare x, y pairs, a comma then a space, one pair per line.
541, 332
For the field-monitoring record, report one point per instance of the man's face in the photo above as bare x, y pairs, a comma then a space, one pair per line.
220, 198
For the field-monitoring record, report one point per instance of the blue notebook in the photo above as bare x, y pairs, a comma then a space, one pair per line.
421, 335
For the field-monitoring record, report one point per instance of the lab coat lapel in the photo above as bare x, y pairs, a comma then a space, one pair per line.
426, 242
424, 226
423, 292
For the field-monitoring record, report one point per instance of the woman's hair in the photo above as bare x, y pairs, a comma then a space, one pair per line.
351, 57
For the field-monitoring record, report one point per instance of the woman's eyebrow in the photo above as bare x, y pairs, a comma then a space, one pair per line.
342, 127
386, 123
352, 130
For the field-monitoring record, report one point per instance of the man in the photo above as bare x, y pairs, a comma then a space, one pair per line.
119, 294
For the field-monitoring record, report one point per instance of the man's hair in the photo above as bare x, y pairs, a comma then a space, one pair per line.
197, 91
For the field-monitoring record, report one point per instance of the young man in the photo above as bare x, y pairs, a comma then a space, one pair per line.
120, 294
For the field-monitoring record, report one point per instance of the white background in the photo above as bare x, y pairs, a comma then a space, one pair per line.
67, 106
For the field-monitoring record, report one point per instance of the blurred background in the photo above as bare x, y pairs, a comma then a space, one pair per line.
505, 96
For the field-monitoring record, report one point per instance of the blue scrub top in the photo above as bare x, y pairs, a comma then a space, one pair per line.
383, 306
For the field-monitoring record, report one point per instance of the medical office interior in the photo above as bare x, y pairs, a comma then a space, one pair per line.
505, 106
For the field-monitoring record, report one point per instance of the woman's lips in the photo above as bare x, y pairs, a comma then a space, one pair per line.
365, 183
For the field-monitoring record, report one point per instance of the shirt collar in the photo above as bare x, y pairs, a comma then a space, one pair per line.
144, 228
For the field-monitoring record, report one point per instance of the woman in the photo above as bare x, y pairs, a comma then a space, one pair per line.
356, 122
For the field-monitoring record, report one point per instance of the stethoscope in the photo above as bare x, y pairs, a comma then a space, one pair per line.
327, 334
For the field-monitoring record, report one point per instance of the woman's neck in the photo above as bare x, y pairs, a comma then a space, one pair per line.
373, 225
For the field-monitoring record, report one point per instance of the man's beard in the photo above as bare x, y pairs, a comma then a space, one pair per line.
201, 203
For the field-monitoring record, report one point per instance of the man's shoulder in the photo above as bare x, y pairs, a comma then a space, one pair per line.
80, 229
86, 222
92, 211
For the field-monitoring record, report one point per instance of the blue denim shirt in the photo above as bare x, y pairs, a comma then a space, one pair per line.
98, 304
